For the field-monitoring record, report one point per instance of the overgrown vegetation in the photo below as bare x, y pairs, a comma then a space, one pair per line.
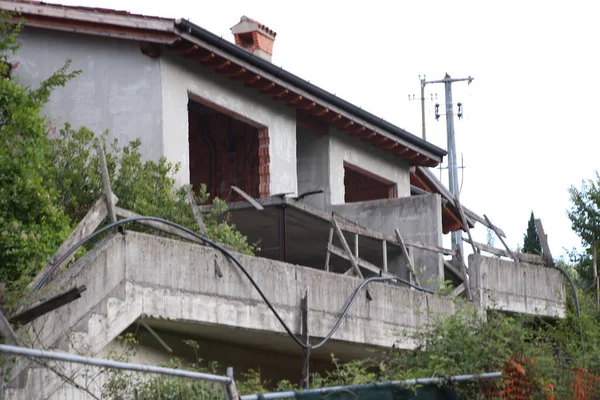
48, 184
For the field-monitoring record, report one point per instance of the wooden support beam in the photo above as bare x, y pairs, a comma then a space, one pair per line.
544, 242
412, 156
266, 87
308, 107
329, 243
184, 48
347, 124
280, 94
335, 119
407, 256
6, 331
380, 140
401, 152
203, 59
192, 202
464, 221
527, 258
219, 65
385, 258
459, 289
322, 112
233, 72
86, 226
512, 255
108, 194
295, 100
305, 375
420, 158
248, 198
430, 247
333, 249
38, 309
388, 147
453, 269
358, 132
369, 136
345, 245
465, 275
252, 81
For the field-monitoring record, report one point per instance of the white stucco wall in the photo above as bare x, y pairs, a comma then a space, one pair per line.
343, 147
118, 89
180, 77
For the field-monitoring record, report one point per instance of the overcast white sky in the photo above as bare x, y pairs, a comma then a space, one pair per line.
529, 130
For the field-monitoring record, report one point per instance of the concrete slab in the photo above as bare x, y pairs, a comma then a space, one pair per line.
503, 285
418, 218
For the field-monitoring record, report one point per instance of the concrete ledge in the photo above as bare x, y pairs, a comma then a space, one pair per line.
176, 282
520, 288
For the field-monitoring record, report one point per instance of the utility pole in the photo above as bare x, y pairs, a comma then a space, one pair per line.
423, 107
452, 166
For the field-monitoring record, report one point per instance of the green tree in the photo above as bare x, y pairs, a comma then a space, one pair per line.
531, 241
32, 223
585, 221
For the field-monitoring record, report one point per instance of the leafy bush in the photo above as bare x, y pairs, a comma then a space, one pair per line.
32, 224
143, 186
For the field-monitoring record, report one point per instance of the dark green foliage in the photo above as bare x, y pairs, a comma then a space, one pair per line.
143, 186
531, 241
32, 224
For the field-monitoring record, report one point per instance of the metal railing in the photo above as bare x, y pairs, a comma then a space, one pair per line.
34, 373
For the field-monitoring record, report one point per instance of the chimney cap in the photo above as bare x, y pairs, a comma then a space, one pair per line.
247, 24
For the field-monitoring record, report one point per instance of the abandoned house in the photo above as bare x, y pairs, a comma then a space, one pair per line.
332, 193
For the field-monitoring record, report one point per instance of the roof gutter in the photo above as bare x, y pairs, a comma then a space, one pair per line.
300, 83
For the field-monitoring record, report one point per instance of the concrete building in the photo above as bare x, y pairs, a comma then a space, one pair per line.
324, 176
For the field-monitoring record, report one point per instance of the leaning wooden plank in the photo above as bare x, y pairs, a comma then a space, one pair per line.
429, 247
329, 242
527, 258
512, 255
44, 307
248, 198
465, 275
482, 221
465, 222
453, 269
107, 188
544, 242
459, 289
407, 256
361, 263
7, 332
195, 210
345, 245
88, 224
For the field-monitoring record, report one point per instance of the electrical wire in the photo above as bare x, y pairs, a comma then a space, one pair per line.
233, 258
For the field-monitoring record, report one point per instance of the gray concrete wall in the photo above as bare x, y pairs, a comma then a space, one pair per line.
180, 77
313, 167
418, 218
119, 88
343, 147
170, 280
499, 284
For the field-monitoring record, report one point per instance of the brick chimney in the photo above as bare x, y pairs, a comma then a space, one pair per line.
254, 37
